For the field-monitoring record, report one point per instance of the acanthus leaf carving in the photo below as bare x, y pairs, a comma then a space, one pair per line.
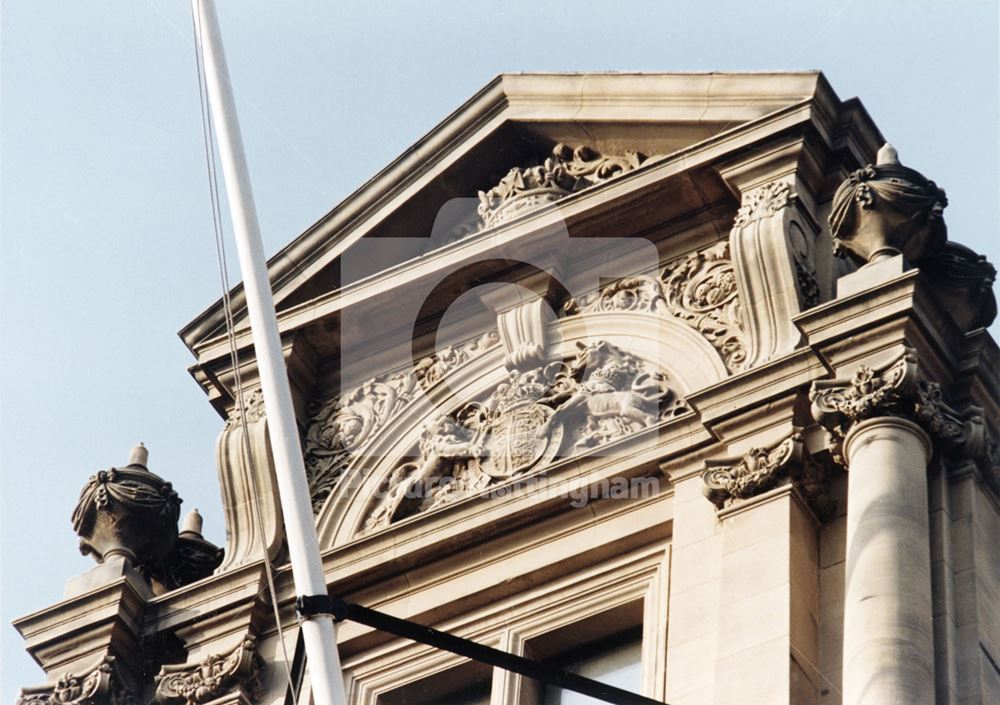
758, 470
897, 388
699, 290
565, 171
555, 410
341, 425
98, 686
726, 482
211, 678
763, 202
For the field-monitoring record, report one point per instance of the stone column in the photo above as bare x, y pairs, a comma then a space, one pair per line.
879, 417
888, 615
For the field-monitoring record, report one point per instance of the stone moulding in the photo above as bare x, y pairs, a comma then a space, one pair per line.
566, 171
896, 388
341, 425
699, 290
212, 678
98, 686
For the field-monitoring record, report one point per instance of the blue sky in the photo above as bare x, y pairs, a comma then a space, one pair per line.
106, 243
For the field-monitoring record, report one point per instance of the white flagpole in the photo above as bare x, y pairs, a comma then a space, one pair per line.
318, 632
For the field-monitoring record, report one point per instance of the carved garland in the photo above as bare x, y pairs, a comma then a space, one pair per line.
699, 290
534, 416
341, 425
212, 678
99, 686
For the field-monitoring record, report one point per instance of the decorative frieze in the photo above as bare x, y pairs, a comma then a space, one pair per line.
218, 675
529, 419
341, 425
98, 686
699, 289
566, 171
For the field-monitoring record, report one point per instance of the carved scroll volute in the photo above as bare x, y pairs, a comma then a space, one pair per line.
247, 483
231, 677
523, 333
773, 252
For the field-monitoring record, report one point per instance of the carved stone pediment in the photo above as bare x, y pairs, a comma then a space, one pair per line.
532, 417
342, 425
212, 678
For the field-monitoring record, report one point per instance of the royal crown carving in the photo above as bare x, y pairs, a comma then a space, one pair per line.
99, 686
566, 171
210, 679
532, 417
341, 425
699, 290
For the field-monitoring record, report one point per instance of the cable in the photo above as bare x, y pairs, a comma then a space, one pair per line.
220, 250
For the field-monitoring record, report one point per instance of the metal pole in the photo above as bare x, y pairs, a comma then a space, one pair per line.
318, 631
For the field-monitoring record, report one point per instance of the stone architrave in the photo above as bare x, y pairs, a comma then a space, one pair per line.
771, 244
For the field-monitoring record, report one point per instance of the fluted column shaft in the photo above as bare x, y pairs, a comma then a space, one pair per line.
888, 629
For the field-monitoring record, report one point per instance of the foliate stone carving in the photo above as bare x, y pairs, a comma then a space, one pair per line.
341, 425
212, 678
763, 203
128, 512
566, 171
897, 389
887, 209
99, 686
529, 419
253, 402
727, 482
699, 289
758, 470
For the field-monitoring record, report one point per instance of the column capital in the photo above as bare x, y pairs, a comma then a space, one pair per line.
896, 388
102, 684
733, 480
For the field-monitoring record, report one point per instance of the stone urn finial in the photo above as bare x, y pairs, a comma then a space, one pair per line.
887, 209
128, 512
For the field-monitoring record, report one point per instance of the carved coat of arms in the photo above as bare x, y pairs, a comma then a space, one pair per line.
532, 417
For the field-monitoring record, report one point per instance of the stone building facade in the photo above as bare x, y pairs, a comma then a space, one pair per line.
674, 380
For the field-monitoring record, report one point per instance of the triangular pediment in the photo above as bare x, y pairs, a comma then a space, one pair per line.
674, 121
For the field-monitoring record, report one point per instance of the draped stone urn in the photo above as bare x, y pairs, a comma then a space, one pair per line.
128, 512
888, 209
